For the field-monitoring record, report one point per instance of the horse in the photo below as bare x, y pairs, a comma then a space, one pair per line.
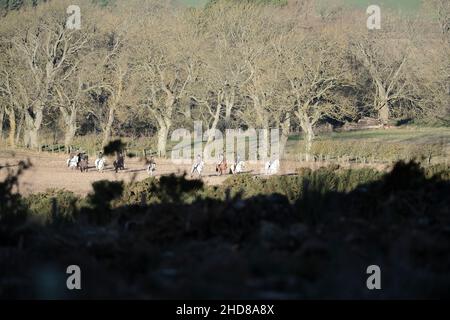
197, 167
72, 162
151, 166
238, 167
119, 163
83, 164
272, 167
100, 164
221, 168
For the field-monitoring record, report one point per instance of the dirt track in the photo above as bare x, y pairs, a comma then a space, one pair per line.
49, 171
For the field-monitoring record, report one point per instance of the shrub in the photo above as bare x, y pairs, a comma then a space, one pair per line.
53, 206
438, 171
132, 193
99, 203
13, 210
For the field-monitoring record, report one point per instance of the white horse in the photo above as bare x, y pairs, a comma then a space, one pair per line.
197, 167
100, 164
72, 163
238, 167
151, 168
272, 167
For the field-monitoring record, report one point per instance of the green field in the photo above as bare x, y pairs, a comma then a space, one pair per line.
432, 144
414, 135
404, 5
194, 3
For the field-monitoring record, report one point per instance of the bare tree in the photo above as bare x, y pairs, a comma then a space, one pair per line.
314, 72
386, 56
49, 52
72, 97
105, 71
13, 94
231, 28
163, 69
9, 104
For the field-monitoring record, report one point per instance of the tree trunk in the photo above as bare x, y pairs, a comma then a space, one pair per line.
214, 123
308, 134
262, 121
229, 104
163, 132
107, 132
165, 122
228, 117
2, 116
309, 137
12, 126
19, 128
383, 113
285, 130
33, 124
267, 150
70, 121
382, 103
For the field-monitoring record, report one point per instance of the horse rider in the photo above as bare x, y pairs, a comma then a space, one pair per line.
119, 164
272, 166
197, 166
221, 164
151, 166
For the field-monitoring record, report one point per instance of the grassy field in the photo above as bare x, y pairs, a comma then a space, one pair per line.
406, 143
404, 135
405, 5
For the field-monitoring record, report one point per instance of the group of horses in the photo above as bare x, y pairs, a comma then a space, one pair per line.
221, 167
80, 161
271, 167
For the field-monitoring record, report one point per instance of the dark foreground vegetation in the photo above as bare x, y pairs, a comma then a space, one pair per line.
310, 235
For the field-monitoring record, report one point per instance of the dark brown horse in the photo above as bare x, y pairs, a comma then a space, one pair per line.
83, 163
119, 163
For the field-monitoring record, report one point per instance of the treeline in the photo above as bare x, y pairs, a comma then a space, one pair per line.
147, 67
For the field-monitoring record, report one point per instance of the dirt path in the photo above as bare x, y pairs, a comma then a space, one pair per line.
49, 171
